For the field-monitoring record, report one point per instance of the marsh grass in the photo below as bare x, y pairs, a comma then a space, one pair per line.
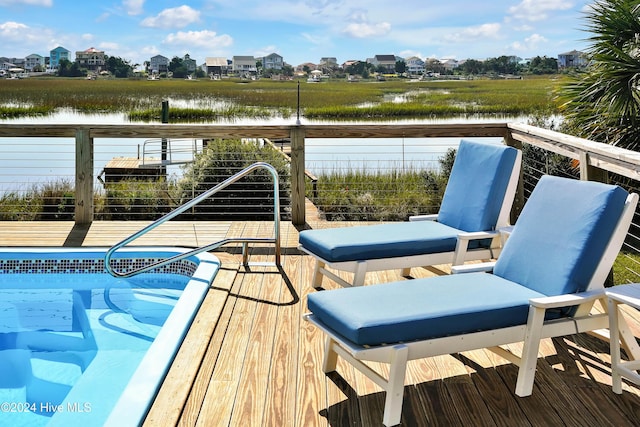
202, 114
137, 199
378, 196
626, 268
49, 201
8, 112
142, 99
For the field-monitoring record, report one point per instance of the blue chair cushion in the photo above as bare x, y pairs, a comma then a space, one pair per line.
422, 308
380, 241
561, 235
477, 186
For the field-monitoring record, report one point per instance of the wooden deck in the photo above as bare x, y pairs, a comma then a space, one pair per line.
250, 360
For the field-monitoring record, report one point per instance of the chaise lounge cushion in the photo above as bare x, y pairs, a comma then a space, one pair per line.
380, 241
422, 308
583, 213
472, 202
477, 186
554, 249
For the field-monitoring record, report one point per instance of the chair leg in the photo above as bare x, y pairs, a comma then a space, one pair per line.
330, 361
360, 273
529, 360
395, 389
317, 274
614, 342
461, 251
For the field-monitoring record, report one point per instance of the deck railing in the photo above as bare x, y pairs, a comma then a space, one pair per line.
593, 160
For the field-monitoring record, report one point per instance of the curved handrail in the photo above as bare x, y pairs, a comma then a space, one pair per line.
276, 218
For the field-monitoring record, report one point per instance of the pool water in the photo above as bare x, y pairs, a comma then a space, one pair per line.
72, 344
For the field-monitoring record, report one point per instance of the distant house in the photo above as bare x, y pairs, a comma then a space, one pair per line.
349, 63
308, 65
244, 65
91, 59
12, 62
330, 63
5, 65
449, 64
575, 58
385, 62
158, 64
34, 61
415, 66
216, 66
58, 54
189, 64
272, 62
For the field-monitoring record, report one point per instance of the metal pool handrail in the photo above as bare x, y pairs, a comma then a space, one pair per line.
244, 240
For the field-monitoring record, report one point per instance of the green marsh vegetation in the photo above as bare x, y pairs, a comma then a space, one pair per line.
231, 98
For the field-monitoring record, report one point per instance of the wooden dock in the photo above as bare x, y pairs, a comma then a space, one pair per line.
250, 360
120, 168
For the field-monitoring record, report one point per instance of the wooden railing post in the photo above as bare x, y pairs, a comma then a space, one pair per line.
589, 172
297, 176
518, 201
84, 177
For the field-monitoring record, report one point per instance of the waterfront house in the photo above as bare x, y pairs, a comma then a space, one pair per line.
216, 66
244, 65
415, 66
58, 54
272, 62
91, 59
328, 64
189, 64
575, 58
158, 64
384, 62
34, 61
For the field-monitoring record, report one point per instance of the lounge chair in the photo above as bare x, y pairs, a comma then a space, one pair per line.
476, 202
544, 284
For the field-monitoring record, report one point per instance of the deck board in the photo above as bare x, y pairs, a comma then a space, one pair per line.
249, 358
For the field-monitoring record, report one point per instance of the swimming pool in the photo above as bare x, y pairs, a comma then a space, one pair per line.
80, 347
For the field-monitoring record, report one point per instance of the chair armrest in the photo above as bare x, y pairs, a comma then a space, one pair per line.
478, 235
430, 217
486, 267
565, 300
507, 230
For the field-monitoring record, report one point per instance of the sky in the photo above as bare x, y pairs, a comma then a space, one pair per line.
300, 31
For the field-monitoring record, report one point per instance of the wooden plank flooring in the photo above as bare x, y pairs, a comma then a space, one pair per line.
250, 360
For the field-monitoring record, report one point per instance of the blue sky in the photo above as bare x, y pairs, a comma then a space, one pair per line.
300, 31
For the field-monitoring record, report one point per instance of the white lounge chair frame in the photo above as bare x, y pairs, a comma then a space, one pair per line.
584, 320
461, 253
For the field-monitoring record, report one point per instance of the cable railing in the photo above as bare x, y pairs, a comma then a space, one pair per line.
320, 162
275, 240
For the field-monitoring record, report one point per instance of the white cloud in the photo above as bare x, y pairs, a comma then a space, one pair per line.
12, 30
109, 46
409, 53
363, 30
177, 17
537, 10
133, 7
207, 39
319, 40
47, 3
476, 33
530, 44
19, 38
264, 51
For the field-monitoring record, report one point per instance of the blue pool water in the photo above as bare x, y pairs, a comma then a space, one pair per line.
80, 347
